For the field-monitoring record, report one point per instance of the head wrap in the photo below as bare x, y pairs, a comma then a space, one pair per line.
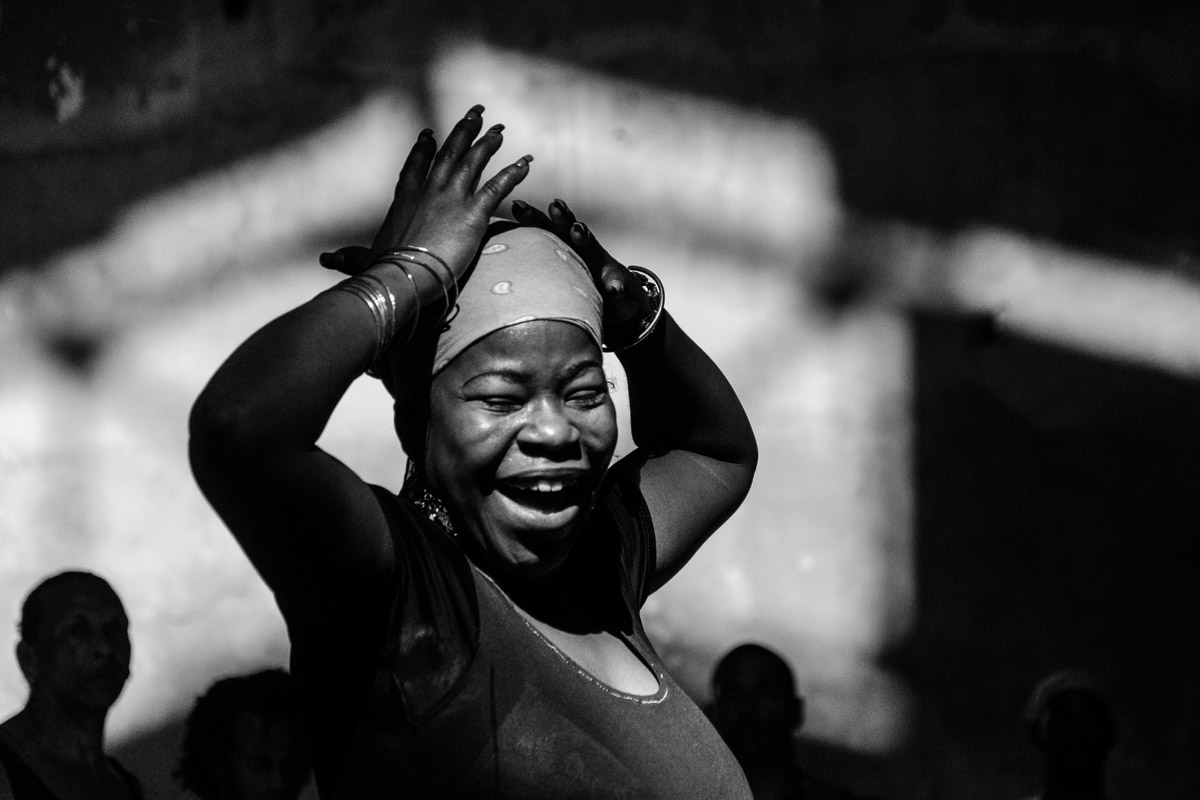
521, 274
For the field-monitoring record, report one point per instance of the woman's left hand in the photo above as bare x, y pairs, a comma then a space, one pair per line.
625, 305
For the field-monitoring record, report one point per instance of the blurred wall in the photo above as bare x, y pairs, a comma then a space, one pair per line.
947, 508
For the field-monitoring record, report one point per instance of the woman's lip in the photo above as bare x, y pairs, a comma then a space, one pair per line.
531, 517
544, 474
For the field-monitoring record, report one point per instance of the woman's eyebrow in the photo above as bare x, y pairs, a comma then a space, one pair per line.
574, 370
510, 374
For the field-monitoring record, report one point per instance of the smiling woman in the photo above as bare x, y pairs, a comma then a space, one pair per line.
479, 635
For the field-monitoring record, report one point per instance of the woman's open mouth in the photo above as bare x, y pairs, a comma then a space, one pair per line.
546, 495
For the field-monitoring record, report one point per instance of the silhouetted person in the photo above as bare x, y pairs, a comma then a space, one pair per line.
74, 651
243, 741
758, 712
1074, 726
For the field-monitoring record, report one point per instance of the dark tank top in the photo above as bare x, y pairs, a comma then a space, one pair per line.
463, 698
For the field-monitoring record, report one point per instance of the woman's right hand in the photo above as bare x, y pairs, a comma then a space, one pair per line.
438, 203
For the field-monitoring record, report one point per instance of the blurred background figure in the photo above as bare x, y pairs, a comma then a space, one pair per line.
243, 741
74, 652
758, 712
1073, 723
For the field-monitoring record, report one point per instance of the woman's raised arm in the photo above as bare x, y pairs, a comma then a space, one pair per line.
310, 526
696, 451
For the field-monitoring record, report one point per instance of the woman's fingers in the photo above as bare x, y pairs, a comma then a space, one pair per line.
577, 234
528, 215
492, 193
470, 167
560, 220
603, 267
416, 166
562, 217
350, 260
415, 169
408, 192
455, 146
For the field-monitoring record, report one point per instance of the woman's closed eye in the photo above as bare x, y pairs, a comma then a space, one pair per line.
502, 403
588, 397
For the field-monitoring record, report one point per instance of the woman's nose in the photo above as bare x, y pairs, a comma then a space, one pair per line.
549, 425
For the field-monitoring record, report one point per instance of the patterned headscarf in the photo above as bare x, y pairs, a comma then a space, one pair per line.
522, 274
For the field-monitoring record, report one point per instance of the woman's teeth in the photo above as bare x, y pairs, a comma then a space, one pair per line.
543, 485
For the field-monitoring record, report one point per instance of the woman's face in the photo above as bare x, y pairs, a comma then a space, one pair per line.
521, 432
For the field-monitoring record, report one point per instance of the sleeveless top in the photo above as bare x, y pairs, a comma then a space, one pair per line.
454, 694
26, 784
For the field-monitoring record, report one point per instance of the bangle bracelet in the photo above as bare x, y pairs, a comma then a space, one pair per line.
434, 256
380, 302
653, 288
373, 368
382, 290
412, 329
398, 259
450, 301
391, 258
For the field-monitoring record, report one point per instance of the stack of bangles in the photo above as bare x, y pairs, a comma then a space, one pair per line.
381, 301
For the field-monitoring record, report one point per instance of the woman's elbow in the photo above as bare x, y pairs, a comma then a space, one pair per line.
218, 431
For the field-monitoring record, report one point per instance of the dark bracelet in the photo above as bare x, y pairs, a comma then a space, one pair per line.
653, 287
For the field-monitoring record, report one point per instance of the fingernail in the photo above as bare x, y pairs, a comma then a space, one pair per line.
326, 259
520, 205
476, 109
559, 203
427, 132
524, 160
615, 286
579, 229
496, 128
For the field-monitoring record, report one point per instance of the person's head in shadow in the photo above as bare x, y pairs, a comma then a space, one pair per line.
243, 741
1074, 725
74, 648
756, 707
74, 651
758, 711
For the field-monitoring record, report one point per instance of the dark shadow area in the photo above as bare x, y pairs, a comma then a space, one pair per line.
242, 85
1055, 526
153, 756
1063, 119
868, 776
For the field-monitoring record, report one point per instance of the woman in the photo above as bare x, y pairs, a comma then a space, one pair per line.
478, 636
